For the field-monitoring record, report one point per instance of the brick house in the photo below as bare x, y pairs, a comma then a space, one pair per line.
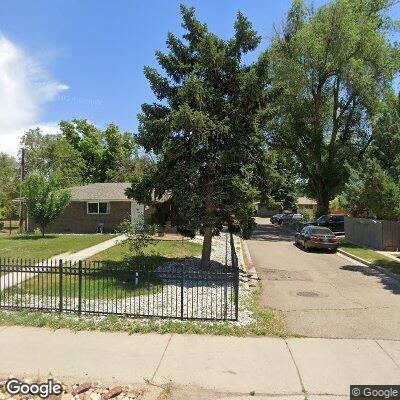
95, 205
304, 203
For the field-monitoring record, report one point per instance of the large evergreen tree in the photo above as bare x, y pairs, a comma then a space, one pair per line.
205, 131
330, 69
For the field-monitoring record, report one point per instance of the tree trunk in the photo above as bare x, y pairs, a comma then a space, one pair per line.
206, 252
322, 205
42, 229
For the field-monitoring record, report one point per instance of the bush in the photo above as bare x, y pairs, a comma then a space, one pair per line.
308, 215
138, 235
370, 190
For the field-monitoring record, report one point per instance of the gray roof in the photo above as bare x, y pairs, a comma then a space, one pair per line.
100, 191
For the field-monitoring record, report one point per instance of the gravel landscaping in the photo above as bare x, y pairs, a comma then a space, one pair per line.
207, 295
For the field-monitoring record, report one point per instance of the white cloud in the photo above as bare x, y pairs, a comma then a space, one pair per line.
9, 142
25, 87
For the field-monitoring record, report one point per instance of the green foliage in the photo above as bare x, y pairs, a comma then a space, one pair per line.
372, 191
338, 204
109, 155
52, 154
206, 131
329, 70
308, 215
138, 236
386, 137
279, 193
45, 200
8, 184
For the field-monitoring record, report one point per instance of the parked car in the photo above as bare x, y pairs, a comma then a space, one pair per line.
287, 217
334, 222
297, 217
276, 219
317, 237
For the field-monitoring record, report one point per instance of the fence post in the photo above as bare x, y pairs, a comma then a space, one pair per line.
60, 273
236, 292
182, 291
80, 288
226, 248
235, 267
226, 295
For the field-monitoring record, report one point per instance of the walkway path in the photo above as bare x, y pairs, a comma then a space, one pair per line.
295, 368
15, 278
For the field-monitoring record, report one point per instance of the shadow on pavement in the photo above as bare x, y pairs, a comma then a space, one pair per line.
388, 282
321, 251
272, 233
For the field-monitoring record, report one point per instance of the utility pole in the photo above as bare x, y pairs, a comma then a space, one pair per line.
21, 203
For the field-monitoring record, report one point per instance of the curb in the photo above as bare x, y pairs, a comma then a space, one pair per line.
370, 264
248, 262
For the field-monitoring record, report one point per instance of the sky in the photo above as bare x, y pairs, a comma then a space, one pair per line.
65, 59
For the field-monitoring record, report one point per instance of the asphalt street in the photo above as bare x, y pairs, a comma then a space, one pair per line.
322, 294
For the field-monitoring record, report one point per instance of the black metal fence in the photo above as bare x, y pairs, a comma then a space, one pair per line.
172, 290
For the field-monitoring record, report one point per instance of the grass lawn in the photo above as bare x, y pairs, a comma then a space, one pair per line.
371, 256
155, 254
36, 247
101, 283
267, 322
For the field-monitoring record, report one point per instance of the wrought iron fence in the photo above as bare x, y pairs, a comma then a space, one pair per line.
172, 290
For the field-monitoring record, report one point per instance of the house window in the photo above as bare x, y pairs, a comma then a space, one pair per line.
98, 208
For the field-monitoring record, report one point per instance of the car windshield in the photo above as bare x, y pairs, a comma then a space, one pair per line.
322, 219
321, 231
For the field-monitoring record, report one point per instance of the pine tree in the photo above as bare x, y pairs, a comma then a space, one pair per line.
205, 132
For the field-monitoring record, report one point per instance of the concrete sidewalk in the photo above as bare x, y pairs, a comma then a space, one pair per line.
231, 366
15, 278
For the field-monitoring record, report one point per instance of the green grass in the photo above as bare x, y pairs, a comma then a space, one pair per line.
267, 323
102, 283
371, 256
155, 254
36, 247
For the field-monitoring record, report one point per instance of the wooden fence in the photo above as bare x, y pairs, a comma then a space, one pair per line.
379, 235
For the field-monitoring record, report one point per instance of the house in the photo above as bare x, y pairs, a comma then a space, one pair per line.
304, 203
262, 211
94, 206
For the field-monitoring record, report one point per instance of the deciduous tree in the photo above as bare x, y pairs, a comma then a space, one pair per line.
45, 200
108, 155
329, 70
9, 185
52, 154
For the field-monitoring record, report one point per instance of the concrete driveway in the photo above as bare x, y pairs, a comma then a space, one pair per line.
323, 294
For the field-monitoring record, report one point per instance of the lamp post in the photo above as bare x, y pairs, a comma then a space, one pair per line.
21, 203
